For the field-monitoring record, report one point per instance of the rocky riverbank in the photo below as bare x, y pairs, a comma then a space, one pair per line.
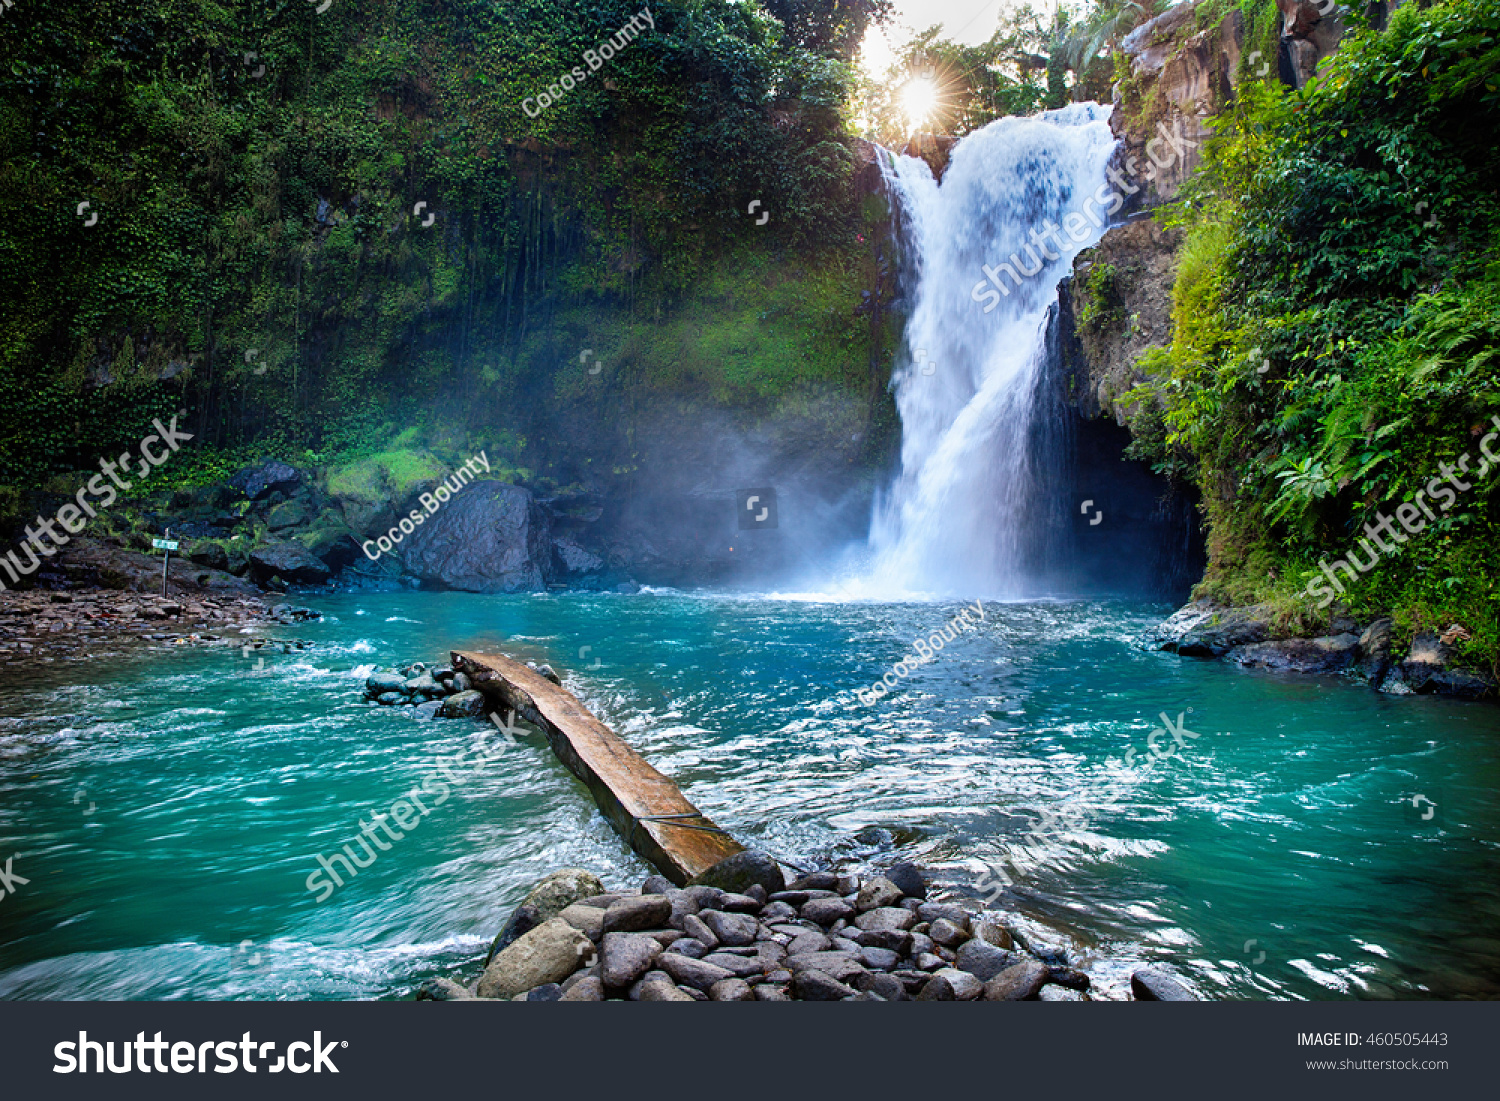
1363, 650
740, 932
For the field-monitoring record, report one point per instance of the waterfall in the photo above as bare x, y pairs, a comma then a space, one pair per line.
973, 490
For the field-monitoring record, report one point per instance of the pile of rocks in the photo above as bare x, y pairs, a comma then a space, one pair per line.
427, 693
43, 625
824, 937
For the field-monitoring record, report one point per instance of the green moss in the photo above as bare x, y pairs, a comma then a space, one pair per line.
389, 475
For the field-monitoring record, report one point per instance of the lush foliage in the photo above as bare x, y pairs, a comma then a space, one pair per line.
1337, 323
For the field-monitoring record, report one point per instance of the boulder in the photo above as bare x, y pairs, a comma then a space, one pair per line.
635, 913
548, 954
465, 705
259, 482
378, 684
288, 514
983, 960
1204, 629
489, 538
1150, 985
731, 990
736, 874
886, 918
732, 930
442, 990
877, 892
625, 957
1375, 651
1017, 983
826, 911
1331, 654
289, 562
815, 986
691, 972
549, 898
588, 989
909, 878
946, 934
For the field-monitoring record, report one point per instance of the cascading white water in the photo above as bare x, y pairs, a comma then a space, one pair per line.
956, 518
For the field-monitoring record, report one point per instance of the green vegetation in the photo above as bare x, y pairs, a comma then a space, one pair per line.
1343, 239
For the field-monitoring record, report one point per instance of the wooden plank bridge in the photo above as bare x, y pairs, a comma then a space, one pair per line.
647, 809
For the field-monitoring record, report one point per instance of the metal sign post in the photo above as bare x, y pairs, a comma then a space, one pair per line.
168, 545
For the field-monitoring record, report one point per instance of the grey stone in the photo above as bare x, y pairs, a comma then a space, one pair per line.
707, 898
549, 898
737, 873
742, 967
815, 881
929, 961
1052, 993
731, 990
1070, 977
733, 930
991, 930
549, 953
378, 684
588, 920
772, 992
656, 885
695, 927
844, 944
1020, 982
841, 966
877, 892
691, 947
892, 939
1150, 985
635, 913
878, 959
548, 992
659, 990
422, 686
773, 912
886, 917
683, 904
738, 904
933, 911
965, 987
625, 957
770, 954
491, 538
691, 972
663, 937
758, 893
888, 987
815, 986
426, 712
946, 934
983, 960
826, 911
587, 989
938, 989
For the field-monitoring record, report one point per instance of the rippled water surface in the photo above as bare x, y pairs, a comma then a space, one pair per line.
167, 808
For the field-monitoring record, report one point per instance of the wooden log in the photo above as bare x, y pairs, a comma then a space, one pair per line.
648, 810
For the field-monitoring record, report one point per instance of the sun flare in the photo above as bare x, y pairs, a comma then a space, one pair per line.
919, 99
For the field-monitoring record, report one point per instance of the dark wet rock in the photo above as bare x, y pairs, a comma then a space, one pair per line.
983, 960
826, 911
288, 561
464, 705
893, 940
815, 881
1020, 982
1331, 654
1428, 669
625, 957
378, 684
957, 915
547, 992
426, 712
1151, 985
938, 989
422, 686
886, 986
877, 892
733, 930
1070, 977
994, 932
910, 878
705, 896
523, 920
815, 986
1203, 629
489, 538
738, 904
636, 913
288, 514
738, 873
259, 482
1375, 651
